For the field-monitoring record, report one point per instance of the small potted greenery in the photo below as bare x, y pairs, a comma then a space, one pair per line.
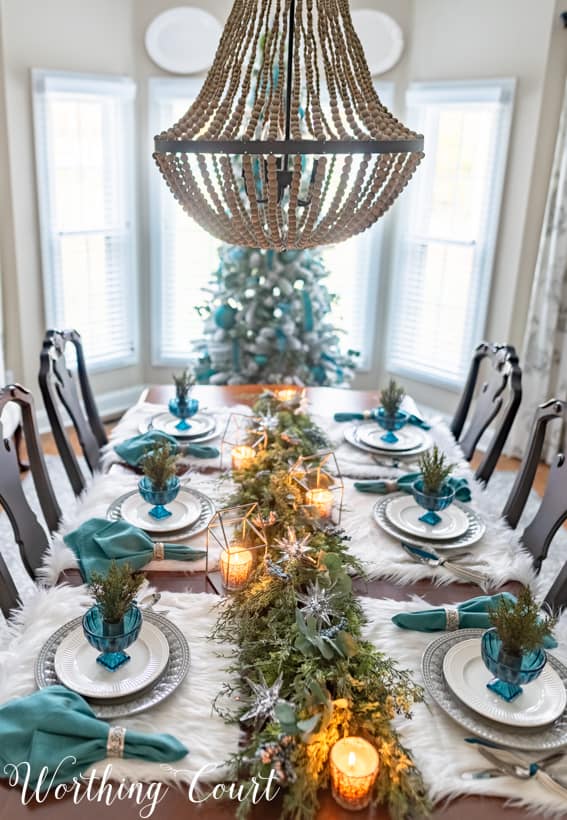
390, 417
182, 406
513, 649
159, 485
114, 622
432, 491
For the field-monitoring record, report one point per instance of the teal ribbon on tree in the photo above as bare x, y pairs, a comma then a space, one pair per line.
307, 311
281, 340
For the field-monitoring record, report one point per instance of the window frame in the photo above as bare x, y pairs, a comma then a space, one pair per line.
373, 239
502, 90
120, 87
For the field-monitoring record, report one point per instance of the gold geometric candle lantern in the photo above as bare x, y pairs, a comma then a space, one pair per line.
322, 486
242, 440
234, 536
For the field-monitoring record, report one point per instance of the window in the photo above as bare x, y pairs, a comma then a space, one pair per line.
184, 255
85, 154
354, 267
448, 230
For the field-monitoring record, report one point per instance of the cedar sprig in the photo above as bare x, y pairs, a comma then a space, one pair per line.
520, 625
159, 464
115, 591
391, 398
183, 382
434, 470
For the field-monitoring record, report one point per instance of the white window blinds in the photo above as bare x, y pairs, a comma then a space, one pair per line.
185, 256
85, 153
445, 245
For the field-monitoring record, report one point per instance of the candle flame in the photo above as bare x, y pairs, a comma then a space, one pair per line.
351, 760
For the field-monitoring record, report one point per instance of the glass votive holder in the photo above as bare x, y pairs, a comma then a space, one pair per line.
321, 501
236, 565
354, 767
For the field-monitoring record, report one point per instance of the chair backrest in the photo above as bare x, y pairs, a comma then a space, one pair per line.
58, 387
552, 511
556, 599
499, 396
28, 532
9, 598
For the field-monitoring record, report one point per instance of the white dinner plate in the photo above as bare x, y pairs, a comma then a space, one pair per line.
541, 702
409, 438
185, 510
404, 513
183, 40
201, 425
77, 668
352, 434
472, 536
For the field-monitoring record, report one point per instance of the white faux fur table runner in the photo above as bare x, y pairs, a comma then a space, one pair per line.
498, 555
435, 741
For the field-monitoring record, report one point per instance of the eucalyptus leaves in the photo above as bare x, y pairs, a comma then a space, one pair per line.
306, 676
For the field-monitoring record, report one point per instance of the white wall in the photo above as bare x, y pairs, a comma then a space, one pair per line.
73, 35
445, 39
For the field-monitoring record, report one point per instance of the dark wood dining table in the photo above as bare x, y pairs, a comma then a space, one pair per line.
175, 805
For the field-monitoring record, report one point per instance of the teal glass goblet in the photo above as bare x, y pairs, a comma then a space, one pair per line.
159, 497
390, 423
434, 503
510, 670
111, 639
183, 408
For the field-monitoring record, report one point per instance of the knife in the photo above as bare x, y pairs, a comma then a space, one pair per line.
434, 560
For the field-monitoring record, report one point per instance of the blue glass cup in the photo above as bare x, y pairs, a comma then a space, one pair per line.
183, 408
433, 503
159, 497
112, 639
391, 423
509, 670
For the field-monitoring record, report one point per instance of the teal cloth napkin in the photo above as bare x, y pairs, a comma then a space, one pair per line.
372, 414
405, 483
57, 729
473, 614
97, 542
134, 449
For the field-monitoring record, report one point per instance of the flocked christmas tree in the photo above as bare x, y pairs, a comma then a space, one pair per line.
267, 320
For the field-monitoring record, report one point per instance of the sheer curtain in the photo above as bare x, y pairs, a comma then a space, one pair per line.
544, 354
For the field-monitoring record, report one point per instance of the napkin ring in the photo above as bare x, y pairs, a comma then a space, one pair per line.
159, 551
451, 618
115, 742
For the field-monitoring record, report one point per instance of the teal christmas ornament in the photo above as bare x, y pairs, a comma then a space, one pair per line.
225, 317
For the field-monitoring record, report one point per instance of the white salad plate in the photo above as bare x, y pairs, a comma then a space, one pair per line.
201, 425
470, 537
185, 510
405, 514
77, 668
409, 438
541, 702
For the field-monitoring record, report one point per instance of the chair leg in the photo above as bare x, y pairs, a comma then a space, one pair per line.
18, 442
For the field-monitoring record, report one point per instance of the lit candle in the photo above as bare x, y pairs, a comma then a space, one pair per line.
286, 394
242, 456
322, 500
354, 768
235, 567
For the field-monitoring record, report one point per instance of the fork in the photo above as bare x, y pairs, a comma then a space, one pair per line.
431, 558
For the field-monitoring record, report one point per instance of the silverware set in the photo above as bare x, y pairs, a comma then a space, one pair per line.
433, 559
506, 762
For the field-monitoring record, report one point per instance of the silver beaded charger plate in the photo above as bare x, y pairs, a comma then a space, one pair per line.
202, 424
352, 437
472, 534
172, 676
551, 736
207, 509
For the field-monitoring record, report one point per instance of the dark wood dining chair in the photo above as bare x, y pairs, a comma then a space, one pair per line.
499, 398
555, 600
552, 511
59, 390
9, 597
29, 534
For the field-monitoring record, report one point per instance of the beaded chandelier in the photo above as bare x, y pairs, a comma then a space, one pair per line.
287, 145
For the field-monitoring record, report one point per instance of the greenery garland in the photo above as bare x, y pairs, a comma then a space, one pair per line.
306, 678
